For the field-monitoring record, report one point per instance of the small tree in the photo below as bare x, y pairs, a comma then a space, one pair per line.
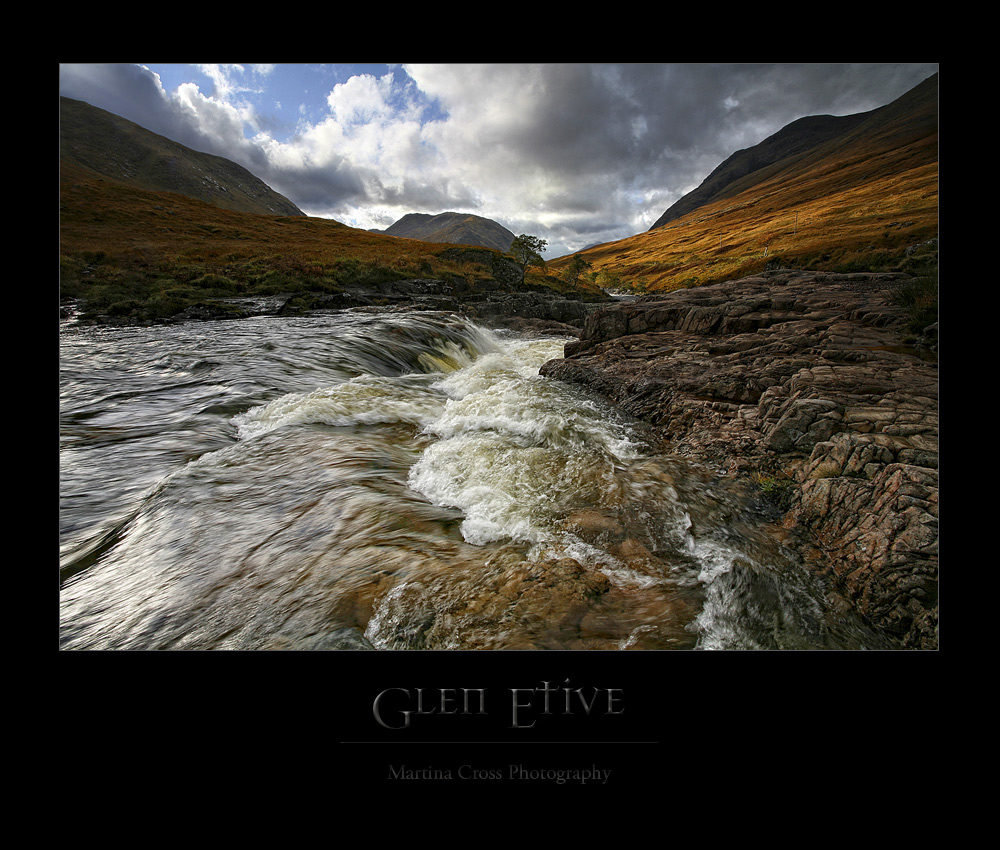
527, 251
609, 279
577, 266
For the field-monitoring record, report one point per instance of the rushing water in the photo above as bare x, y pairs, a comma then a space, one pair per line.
390, 481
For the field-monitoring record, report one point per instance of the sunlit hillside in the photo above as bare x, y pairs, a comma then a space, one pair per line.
862, 201
129, 252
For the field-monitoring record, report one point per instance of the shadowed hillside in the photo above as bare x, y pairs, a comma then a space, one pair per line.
859, 192
112, 147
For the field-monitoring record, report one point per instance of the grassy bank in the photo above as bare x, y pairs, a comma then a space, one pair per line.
133, 255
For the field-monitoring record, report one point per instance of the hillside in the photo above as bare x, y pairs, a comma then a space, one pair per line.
454, 228
146, 234
112, 147
822, 193
747, 167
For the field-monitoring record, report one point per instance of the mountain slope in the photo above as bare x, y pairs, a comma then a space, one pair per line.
110, 146
810, 139
746, 167
454, 228
833, 195
135, 255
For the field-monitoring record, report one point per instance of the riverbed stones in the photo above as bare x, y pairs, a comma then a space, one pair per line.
510, 602
525, 309
801, 378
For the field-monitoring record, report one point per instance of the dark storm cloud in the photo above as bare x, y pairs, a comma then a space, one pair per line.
418, 194
597, 118
135, 93
316, 188
624, 135
126, 90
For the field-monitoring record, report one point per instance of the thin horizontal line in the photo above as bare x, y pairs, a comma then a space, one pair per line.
499, 742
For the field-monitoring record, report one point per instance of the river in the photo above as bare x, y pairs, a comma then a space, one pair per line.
377, 481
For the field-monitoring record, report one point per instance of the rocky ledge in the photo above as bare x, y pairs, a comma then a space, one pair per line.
527, 309
799, 383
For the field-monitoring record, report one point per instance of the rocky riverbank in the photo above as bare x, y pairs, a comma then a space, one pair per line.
524, 308
800, 384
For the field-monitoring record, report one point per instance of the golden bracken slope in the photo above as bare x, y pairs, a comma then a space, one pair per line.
859, 200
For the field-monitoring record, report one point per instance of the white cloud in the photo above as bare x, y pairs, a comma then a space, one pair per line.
214, 118
361, 100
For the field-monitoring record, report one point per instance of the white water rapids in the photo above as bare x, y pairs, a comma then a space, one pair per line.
390, 481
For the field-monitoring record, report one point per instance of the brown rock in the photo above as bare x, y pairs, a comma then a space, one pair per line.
508, 603
801, 375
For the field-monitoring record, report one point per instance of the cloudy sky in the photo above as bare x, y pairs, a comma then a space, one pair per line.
573, 153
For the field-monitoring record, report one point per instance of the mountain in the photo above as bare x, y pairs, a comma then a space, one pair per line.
825, 193
152, 231
110, 146
805, 141
453, 228
746, 167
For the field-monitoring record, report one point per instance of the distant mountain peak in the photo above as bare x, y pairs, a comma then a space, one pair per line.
453, 228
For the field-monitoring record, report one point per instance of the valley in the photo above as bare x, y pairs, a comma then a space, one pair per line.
740, 454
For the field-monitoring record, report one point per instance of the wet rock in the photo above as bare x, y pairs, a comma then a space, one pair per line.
539, 305
531, 309
488, 302
509, 603
513, 603
802, 378
595, 526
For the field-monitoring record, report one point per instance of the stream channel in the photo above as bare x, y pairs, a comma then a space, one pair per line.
392, 481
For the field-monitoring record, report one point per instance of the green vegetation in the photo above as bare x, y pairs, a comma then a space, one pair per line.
775, 491
920, 297
609, 278
527, 251
577, 266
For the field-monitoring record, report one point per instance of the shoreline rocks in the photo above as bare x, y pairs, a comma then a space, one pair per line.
799, 382
527, 309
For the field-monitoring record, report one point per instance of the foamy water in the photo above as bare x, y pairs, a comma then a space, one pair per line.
396, 481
